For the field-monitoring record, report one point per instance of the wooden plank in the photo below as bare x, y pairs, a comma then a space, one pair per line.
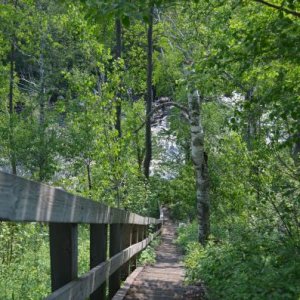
82, 287
63, 254
25, 200
120, 295
115, 242
98, 251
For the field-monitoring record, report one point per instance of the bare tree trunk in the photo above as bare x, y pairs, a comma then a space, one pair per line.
199, 158
11, 110
139, 153
296, 150
42, 152
252, 137
118, 55
88, 168
149, 98
252, 121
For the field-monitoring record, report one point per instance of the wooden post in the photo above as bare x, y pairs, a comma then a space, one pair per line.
63, 253
140, 237
141, 232
126, 242
145, 231
134, 240
158, 226
98, 254
114, 248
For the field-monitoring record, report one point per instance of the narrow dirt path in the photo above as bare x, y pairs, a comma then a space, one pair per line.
164, 280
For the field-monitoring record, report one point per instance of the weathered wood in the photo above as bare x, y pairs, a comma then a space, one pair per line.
140, 237
82, 287
25, 200
98, 251
134, 240
126, 242
141, 232
120, 295
63, 254
164, 279
115, 242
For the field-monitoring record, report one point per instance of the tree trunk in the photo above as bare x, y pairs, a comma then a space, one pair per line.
252, 137
42, 150
11, 110
199, 158
251, 122
149, 98
89, 177
296, 150
139, 153
118, 56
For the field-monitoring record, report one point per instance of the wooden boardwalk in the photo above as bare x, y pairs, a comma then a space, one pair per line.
164, 280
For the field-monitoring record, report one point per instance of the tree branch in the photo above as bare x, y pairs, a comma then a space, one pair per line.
286, 10
228, 76
289, 171
156, 108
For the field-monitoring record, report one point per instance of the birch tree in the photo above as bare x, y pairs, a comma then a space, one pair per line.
199, 158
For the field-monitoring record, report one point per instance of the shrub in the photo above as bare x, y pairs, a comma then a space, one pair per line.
249, 268
148, 256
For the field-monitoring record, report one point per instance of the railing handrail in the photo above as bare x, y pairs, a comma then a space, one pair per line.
23, 200
82, 287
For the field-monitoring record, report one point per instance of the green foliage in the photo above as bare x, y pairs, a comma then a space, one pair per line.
248, 267
83, 249
186, 234
24, 261
148, 256
178, 193
66, 87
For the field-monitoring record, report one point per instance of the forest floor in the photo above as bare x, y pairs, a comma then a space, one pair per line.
164, 279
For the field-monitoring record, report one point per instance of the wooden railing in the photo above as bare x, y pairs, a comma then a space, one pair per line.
125, 234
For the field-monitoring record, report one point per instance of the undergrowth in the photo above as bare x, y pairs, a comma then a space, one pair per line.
25, 260
148, 256
247, 267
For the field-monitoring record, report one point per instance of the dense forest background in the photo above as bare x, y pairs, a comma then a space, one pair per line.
82, 83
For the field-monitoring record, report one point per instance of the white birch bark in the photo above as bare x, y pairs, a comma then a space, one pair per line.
199, 159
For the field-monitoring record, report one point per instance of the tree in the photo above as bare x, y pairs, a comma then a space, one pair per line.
149, 97
118, 56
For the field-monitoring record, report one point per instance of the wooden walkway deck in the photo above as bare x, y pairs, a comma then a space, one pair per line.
164, 280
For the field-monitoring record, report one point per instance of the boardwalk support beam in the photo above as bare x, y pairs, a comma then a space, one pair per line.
63, 254
22, 200
98, 250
